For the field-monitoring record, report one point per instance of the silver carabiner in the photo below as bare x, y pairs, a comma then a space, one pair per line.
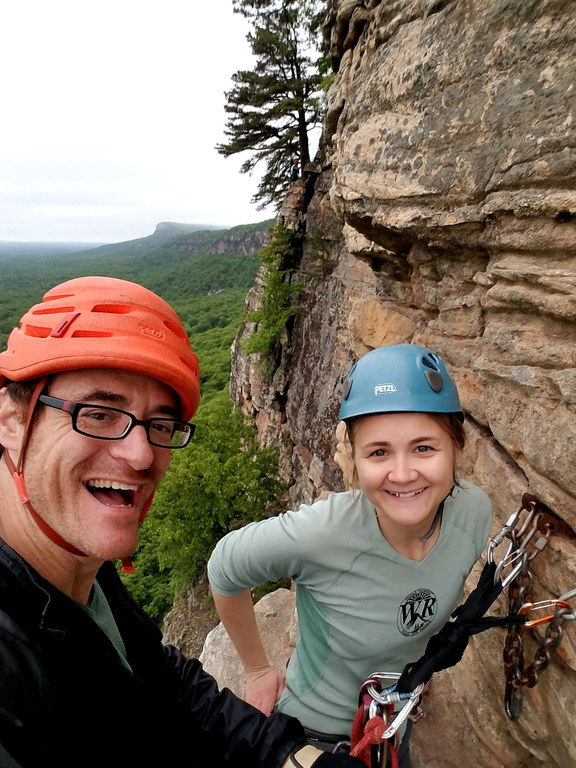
390, 695
512, 556
516, 554
495, 542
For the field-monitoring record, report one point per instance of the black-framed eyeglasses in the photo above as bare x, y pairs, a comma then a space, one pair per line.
105, 423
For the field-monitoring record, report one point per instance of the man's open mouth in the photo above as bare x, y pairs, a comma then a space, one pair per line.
112, 493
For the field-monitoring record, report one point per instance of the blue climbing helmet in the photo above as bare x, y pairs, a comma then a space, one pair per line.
400, 378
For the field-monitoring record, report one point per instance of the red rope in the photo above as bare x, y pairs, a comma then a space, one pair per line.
364, 736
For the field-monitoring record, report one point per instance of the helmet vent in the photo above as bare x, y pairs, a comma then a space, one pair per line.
36, 331
52, 310
177, 331
91, 335
430, 361
112, 309
194, 368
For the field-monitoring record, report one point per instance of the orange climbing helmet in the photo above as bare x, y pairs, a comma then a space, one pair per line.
104, 322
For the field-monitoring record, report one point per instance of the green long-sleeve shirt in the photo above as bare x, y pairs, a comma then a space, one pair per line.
362, 606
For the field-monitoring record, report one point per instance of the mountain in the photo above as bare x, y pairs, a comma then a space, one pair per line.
191, 236
166, 232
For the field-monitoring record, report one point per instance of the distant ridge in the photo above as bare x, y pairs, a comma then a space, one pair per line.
166, 232
245, 238
182, 263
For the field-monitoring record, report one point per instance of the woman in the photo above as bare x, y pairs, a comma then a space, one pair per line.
378, 569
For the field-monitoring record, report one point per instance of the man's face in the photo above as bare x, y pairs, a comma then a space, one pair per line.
92, 491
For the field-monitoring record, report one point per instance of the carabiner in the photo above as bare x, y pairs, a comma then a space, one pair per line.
495, 542
516, 548
517, 556
542, 605
388, 696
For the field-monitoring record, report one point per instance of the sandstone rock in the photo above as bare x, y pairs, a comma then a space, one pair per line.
446, 206
276, 620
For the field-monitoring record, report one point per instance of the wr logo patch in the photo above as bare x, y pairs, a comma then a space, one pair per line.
417, 611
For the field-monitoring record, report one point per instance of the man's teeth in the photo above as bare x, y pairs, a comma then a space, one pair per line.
112, 484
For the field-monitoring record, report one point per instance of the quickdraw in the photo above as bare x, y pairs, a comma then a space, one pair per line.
526, 541
375, 737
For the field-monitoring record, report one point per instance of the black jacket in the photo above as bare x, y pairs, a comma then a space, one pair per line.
67, 700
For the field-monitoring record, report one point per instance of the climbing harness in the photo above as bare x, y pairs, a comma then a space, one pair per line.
374, 737
527, 539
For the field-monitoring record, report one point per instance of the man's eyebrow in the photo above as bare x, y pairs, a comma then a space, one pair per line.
120, 401
103, 394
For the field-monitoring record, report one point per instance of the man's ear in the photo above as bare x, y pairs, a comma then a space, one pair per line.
11, 422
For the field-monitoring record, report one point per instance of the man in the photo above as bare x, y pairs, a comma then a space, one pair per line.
97, 385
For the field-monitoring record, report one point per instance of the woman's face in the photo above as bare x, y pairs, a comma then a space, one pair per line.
405, 464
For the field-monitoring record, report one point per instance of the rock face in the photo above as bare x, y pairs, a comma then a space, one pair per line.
443, 213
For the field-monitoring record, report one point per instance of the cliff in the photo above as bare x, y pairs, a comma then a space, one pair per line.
440, 210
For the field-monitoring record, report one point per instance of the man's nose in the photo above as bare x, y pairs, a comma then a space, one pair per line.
134, 448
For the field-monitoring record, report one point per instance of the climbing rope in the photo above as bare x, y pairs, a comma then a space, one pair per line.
375, 730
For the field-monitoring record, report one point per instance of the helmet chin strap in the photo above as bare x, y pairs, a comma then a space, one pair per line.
18, 477
437, 518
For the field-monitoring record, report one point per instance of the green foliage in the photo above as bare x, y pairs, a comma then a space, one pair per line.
272, 108
180, 270
279, 258
221, 480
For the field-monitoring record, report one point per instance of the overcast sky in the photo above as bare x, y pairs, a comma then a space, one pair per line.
111, 110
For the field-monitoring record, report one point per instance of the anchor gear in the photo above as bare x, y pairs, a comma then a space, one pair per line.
374, 735
527, 540
400, 378
446, 647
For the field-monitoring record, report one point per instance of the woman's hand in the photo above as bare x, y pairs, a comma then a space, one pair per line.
263, 688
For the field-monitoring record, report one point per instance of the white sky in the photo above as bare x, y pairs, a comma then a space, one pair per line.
111, 110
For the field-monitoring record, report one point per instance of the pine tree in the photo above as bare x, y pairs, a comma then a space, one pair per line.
272, 108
